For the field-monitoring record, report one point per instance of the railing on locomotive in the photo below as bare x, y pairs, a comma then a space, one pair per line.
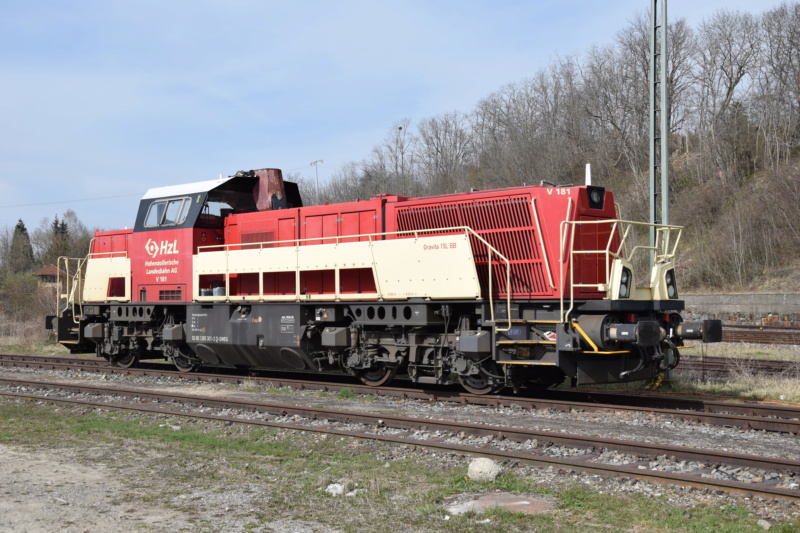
73, 290
665, 249
73, 286
370, 236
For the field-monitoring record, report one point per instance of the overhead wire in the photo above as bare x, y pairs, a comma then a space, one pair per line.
56, 202
72, 201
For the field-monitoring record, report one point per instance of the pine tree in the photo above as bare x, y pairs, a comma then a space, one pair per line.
21, 252
59, 242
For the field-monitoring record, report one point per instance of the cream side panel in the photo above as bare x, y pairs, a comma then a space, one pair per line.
246, 261
283, 259
209, 263
335, 256
243, 261
435, 267
427, 267
99, 271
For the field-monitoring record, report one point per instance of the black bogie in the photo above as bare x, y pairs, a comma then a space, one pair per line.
431, 342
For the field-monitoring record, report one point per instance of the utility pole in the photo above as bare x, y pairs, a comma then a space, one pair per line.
659, 134
315, 164
659, 109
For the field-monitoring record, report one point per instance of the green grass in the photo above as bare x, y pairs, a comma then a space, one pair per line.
288, 472
346, 394
42, 348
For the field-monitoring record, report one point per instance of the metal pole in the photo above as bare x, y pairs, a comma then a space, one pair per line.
664, 119
652, 168
659, 121
315, 164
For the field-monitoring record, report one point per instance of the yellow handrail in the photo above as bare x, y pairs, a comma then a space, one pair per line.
665, 249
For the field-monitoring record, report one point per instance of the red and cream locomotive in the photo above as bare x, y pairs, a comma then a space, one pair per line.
520, 287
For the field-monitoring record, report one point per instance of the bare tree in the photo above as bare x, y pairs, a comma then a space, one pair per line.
726, 59
444, 152
613, 93
778, 84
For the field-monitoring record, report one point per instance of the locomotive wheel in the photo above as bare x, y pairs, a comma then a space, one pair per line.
125, 360
478, 384
377, 376
183, 358
184, 364
488, 381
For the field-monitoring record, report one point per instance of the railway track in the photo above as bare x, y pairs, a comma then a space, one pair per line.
764, 417
714, 366
761, 334
709, 469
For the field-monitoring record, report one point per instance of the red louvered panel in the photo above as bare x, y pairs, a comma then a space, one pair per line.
257, 237
505, 223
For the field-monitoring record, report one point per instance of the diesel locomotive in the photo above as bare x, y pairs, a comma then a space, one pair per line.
519, 287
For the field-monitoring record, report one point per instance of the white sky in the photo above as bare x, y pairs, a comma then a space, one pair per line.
100, 98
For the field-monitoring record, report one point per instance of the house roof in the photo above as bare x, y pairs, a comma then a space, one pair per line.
49, 270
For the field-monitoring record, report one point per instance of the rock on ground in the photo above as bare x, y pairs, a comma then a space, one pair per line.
483, 470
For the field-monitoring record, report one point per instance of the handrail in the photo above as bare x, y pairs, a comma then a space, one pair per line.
541, 242
564, 263
73, 292
664, 250
94, 255
371, 237
73, 286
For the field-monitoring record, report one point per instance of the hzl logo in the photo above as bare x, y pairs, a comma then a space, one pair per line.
163, 248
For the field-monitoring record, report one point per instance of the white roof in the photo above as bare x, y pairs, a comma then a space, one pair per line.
185, 189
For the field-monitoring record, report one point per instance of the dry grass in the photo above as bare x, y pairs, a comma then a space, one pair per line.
21, 333
738, 350
744, 382
742, 386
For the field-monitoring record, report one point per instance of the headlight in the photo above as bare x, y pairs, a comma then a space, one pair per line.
672, 288
625, 283
597, 195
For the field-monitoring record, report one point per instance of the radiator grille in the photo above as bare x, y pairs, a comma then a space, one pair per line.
505, 223
170, 296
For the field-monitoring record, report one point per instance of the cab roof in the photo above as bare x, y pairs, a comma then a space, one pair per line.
185, 189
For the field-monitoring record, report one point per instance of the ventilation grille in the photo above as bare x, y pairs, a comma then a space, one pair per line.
170, 296
505, 223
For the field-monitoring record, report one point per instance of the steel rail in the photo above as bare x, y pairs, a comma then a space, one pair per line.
720, 366
761, 334
373, 423
774, 418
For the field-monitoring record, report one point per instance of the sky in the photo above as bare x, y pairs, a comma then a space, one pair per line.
101, 100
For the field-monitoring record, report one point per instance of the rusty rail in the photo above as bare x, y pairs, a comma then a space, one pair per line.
776, 476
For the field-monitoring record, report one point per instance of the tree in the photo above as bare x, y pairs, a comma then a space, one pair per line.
727, 55
444, 152
778, 95
67, 237
21, 257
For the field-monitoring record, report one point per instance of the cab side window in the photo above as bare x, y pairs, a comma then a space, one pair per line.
154, 214
167, 213
175, 214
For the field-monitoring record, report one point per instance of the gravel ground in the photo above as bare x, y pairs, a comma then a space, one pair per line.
46, 490
44, 493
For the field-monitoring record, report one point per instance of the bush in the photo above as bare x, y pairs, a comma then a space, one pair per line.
24, 303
